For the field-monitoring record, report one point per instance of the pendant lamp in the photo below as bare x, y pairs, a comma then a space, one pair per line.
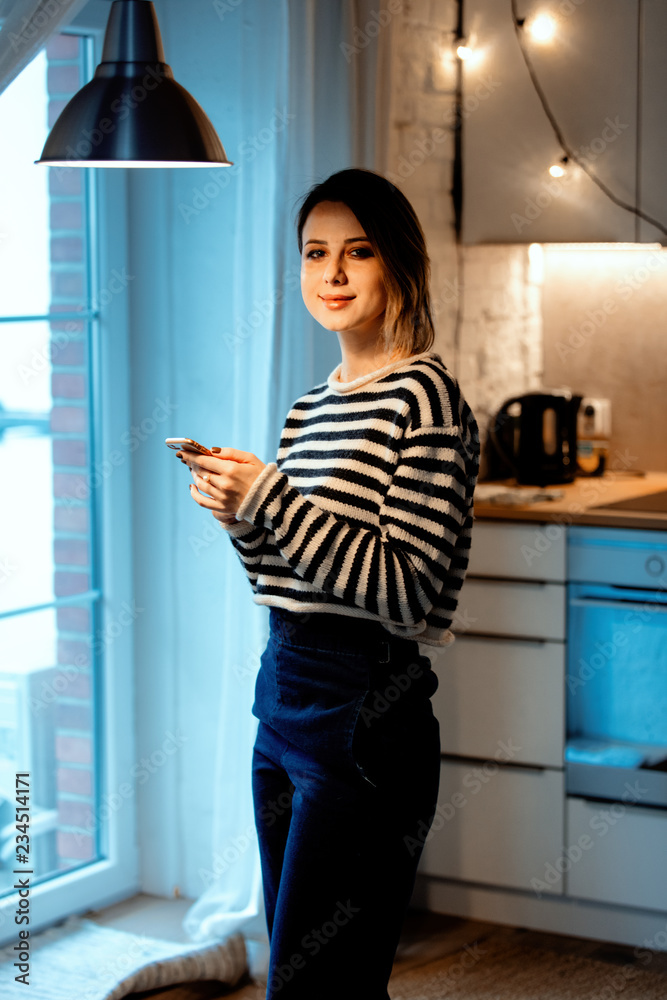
133, 113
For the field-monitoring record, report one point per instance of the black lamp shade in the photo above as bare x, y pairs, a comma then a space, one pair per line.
133, 113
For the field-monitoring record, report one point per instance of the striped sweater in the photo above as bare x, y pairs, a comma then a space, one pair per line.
368, 509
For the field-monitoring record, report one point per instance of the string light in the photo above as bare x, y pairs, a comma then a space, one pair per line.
570, 154
542, 28
558, 169
463, 51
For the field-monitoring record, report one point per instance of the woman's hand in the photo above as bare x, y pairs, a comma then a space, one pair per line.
230, 474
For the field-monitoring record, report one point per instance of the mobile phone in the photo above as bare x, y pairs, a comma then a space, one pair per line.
187, 444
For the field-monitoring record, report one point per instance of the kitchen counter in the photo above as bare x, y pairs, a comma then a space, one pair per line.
582, 502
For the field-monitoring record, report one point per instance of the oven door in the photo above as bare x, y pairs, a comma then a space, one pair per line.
616, 694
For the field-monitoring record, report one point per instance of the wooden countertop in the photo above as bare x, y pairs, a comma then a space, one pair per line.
582, 502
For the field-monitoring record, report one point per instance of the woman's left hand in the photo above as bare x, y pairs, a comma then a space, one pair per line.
230, 474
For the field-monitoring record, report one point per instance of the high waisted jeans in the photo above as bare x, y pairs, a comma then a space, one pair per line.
345, 781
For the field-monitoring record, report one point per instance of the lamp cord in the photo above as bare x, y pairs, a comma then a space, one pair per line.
571, 155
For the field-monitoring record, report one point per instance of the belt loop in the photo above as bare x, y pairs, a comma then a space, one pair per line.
385, 652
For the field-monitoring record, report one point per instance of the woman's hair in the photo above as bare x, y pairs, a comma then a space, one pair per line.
393, 229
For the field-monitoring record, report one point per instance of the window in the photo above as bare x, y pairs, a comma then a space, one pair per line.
53, 639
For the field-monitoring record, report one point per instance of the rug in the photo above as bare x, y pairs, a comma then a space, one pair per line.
80, 959
491, 969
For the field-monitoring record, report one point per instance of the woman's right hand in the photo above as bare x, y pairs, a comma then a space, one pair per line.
224, 518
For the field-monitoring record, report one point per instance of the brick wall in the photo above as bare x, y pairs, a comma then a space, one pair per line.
493, 288
74, 746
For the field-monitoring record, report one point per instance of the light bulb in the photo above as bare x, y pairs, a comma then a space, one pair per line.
463, 51
542, 28
556, 170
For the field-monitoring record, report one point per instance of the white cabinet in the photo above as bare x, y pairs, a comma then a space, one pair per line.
496, 825
518, 551
619, 853
502, 690
532, 610
500, 705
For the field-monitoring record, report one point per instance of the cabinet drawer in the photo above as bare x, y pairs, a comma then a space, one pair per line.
496, 825
513, 608
622, 854
508, 690
522, 551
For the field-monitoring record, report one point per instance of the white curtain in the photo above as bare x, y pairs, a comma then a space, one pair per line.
25, 28
292, 59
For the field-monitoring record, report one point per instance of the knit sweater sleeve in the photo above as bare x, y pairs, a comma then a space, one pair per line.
249, 541
394, 571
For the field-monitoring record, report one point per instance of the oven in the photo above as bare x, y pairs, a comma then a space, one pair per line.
616, 680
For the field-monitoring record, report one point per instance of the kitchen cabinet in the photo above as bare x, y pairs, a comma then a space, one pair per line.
494, 690
510, 841
624, 859
532, 610
500, 704
495, 824
590, 75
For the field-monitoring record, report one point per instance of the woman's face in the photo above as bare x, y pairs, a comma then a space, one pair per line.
341, 278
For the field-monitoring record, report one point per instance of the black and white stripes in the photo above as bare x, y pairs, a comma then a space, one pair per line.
367, 510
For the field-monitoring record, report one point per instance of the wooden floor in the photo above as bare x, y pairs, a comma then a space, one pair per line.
427, 938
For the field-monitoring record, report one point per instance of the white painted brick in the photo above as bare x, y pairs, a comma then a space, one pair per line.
500, 351
443, 14
417, 11
434, 111
444, 66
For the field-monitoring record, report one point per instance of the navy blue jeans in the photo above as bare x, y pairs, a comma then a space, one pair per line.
346, 769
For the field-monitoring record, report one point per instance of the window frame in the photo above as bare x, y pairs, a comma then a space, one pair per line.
115, 876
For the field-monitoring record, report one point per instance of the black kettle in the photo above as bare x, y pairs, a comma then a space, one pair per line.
539, 445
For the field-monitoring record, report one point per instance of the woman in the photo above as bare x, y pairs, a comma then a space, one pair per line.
357, 537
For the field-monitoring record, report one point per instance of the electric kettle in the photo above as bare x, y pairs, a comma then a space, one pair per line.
539, 444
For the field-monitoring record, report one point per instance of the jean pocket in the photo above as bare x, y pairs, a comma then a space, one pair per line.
319, 693
308, 678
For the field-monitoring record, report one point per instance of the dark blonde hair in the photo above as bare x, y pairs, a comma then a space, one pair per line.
397, 238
